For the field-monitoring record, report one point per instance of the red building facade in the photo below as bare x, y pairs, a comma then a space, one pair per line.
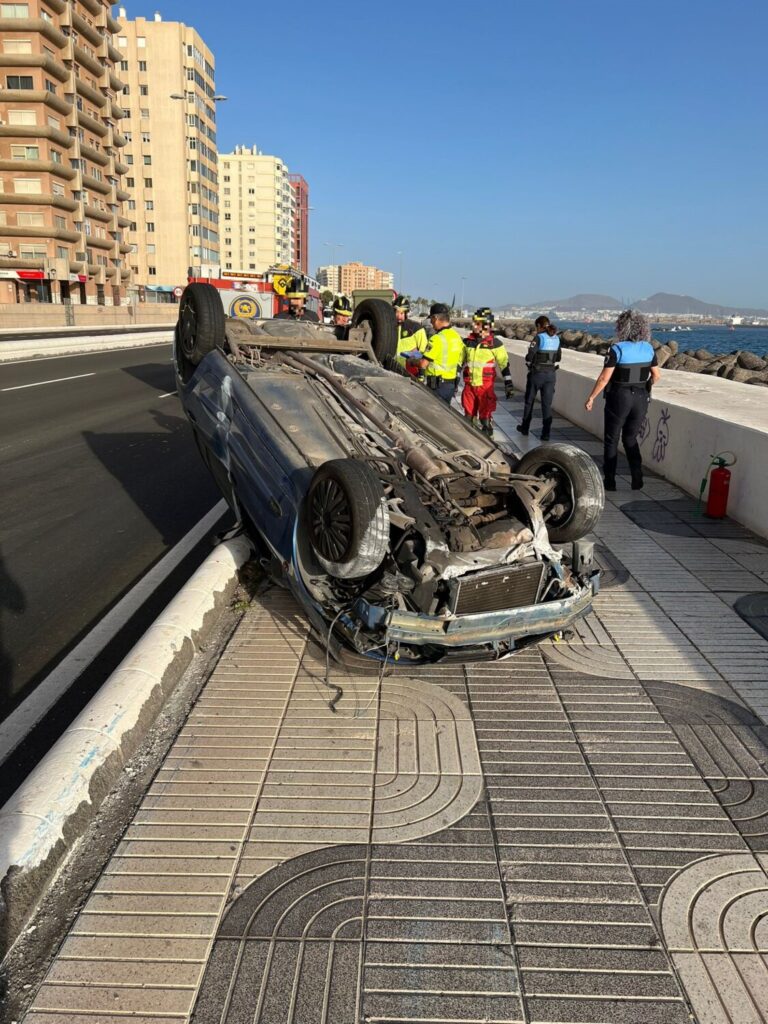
300, 223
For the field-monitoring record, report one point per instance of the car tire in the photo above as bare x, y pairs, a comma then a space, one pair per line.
579, 492
380, 317
346, 518
201, 322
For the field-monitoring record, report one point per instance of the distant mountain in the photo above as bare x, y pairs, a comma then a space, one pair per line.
588, 303
678, 305
662, 303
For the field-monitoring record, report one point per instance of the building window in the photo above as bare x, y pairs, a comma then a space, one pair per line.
17, 45
30, 220
60, 222
129, 159
33, 252
142, 65
150, 226
152, 271
14, 10
227, 216
147, 183
143, 90
55, 156
123, 65
27, 186
51, 87
147, 160
149, 205
25, 152
22, 117
130, 182
141, 42
19, 81
144, 112
146, 137
61, 252
122, 42
131, 204
151, 249
58, 189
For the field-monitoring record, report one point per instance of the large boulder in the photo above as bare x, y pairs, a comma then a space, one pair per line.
740, 375
663, 355
750, 361
761, 377
673, 347
704, 355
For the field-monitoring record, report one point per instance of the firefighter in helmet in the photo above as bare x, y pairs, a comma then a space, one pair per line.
482, 356
342, 317
444, 353
411, 338
296, 293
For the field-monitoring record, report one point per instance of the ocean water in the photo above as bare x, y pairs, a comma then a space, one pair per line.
717, 340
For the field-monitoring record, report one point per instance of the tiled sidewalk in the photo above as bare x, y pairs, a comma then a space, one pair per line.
578, 834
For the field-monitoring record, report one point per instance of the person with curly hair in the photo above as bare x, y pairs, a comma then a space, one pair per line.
630, 370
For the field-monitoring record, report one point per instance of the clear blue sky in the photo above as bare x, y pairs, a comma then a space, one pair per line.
537, 149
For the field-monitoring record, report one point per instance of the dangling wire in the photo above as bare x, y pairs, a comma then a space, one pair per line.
333, 701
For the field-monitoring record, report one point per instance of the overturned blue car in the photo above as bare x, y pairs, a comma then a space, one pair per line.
402, 532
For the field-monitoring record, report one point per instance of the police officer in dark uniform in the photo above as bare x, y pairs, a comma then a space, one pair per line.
342, 317
630, 369
542, 358
296, 293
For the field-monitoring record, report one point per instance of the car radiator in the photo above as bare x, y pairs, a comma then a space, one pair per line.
514, 586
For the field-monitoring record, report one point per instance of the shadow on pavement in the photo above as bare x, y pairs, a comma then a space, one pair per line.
158, 376
12, 602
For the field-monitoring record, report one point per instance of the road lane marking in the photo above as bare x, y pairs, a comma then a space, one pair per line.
17, 726
167, 394
57, 380
84, 353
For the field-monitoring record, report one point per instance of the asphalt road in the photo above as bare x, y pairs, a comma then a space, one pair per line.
100, 477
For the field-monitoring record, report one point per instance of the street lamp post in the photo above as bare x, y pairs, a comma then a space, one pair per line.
400, 275
462, 295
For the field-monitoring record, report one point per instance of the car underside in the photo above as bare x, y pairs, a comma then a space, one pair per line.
404, 533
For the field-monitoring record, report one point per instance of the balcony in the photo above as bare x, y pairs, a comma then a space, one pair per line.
99, 243
34, 131
96, 214
123, 222
88, 92
46, 29
96, 156
117, 111
23, 231
35, 60
121, 195
46, 166
113, 25
121, 168
92, 63
38, 199
86, 121
124, 248
96, 186
36, 96
94, 6
90, 32
118, 139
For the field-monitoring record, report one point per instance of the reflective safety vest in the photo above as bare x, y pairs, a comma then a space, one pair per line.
547, 351
410, 338
480, 362
445, 350
633, 362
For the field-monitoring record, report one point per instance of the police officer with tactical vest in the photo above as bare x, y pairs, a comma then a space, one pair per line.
411, 338
444, 353
542, 358
482, 355
342, 316
630, 370
296, 293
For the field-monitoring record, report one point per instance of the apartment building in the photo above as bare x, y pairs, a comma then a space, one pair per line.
170, 126
358, 275
330, 277
300, 223
61, 170
259, 212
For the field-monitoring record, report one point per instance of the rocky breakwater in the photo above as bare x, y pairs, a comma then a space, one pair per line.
741, 366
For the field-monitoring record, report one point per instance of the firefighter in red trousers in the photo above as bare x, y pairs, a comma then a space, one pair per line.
482, 355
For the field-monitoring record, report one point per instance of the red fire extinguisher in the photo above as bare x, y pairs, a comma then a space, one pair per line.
719, 485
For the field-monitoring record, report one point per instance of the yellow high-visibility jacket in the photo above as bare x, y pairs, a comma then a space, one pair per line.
445, 351
410, 337
480, 362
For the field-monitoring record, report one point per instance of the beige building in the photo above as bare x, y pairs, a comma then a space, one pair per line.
330, 277
258, 208
171, 152
61, 193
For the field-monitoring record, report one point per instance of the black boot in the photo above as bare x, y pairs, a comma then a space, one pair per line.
637, 481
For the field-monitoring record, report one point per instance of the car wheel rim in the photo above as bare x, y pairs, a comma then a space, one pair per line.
187, 329
331, 521
559, 508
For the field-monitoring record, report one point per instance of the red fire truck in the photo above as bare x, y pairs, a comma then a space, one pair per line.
253, 296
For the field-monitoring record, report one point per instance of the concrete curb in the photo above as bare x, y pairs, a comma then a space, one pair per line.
23, 348
51, 809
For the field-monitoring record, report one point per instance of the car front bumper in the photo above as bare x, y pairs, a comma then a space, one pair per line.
491, 627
